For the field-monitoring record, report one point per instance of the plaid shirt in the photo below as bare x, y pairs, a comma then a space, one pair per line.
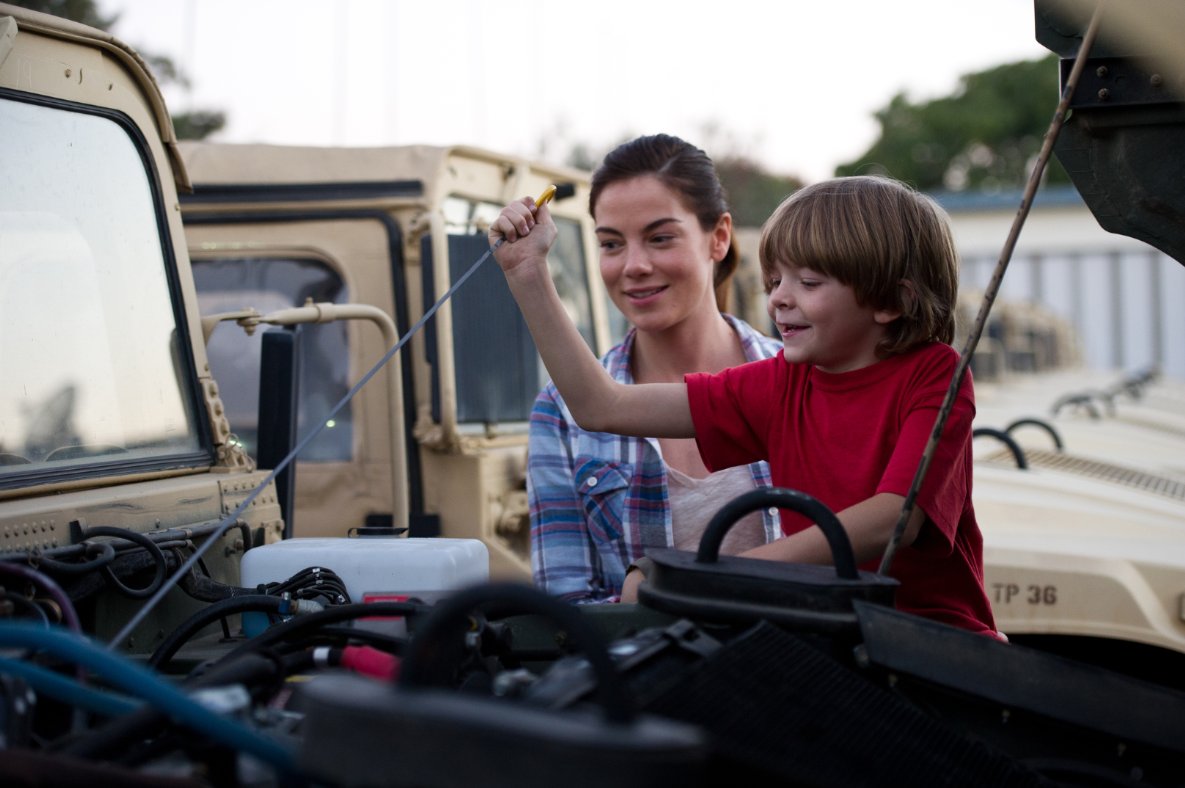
598, 500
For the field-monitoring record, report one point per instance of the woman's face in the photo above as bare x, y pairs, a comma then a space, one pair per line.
656, 260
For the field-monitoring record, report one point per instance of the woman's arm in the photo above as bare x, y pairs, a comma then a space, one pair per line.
598, 403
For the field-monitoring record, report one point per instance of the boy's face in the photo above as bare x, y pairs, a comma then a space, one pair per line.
820, 322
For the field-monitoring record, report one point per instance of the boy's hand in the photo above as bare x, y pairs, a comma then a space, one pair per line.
527, 232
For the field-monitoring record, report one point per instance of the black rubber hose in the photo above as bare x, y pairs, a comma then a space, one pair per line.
298, 627
1077, 399
104, 554
1045, 425
111, 739
208, 615
144, 541
1017, 452
783, 498
448, 622
392, 644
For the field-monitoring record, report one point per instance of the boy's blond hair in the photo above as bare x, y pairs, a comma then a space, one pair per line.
874, 235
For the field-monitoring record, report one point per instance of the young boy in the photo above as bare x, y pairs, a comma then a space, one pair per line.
862, 276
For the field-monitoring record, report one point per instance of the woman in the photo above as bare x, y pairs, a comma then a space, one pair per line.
599, 501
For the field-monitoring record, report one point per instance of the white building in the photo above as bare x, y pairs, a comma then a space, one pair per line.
1124, 298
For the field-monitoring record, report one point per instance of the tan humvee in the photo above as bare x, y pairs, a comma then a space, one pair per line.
389, 229
108, 413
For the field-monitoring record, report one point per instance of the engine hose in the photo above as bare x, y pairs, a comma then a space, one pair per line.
105, 554
300, 627
49, 586
109, 740
69, 691
144, 541
136, 679
199, 620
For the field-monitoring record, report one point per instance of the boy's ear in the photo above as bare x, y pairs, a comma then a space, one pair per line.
907, 298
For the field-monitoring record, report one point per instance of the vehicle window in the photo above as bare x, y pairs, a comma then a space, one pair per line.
95, 376
498, 372
267, 284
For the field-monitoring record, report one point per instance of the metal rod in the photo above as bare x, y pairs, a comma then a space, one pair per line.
993, 287
230, 519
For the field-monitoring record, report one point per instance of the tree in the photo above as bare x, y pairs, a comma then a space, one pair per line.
985, 136
753, 191
194, 125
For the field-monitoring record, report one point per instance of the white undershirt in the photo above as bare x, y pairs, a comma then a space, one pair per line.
694, 502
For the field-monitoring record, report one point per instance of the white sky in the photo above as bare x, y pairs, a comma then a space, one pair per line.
793, 84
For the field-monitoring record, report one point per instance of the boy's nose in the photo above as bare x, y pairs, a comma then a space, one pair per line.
781, 296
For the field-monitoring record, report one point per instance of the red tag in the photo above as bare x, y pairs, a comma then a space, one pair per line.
370, 597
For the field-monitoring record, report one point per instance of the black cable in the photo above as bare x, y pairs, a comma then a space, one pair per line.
254, 671
105, 554
445, 627
28, 604
311, 582
392, 644
297, 627
143, 541
199, 620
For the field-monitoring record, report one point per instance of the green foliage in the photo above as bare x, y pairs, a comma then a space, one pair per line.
753, 192
83, 11
197, 125
985, 136
194, 125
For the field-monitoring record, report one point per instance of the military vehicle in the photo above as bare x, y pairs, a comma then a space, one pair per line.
730, 670
270, 227
112, 430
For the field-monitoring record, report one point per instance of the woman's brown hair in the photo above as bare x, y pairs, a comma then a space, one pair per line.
685, 170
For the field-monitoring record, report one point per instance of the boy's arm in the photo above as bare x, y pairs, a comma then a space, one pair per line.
869, 525
598, 403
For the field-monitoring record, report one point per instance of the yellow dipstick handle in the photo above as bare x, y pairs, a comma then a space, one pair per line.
548, 193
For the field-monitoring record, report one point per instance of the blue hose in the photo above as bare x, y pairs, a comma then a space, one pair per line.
68, 690
141, 682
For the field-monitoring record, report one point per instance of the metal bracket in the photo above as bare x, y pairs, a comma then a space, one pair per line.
1122, 82
7, 37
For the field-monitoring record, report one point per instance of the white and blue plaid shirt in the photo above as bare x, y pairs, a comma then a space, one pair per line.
598, 500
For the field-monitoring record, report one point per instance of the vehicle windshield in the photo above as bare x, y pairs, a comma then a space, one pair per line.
94, 374
498, 370
267, 282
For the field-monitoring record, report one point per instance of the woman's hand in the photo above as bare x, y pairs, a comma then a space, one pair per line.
527, 232
629, 588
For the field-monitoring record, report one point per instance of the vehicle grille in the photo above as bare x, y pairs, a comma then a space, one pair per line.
1167, 486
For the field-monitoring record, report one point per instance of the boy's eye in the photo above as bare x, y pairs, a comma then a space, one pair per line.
609, 245
662, 239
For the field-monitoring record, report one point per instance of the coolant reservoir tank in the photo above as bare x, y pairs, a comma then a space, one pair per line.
376, 568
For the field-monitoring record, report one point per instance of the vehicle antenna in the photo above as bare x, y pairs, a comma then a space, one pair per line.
993, 287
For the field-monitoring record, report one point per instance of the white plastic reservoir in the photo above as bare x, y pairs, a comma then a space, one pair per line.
375, 568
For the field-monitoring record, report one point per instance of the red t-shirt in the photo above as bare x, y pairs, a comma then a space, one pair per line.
845, 437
